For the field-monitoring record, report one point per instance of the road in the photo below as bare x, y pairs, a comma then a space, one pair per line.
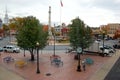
114, 73
4, 41
47, 49
93, 47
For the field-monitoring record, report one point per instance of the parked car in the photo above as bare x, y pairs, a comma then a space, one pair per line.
107, 49
116, 46
1, 38
11, 48
98, 40
1, 49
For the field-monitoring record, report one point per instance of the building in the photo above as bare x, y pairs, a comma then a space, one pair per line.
110, 28
113, 28
64, 32
6, 18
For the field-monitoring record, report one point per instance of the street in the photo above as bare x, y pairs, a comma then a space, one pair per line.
62, 48
114, 72
95, 46
4, 41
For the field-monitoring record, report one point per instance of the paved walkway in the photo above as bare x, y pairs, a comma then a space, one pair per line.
114, 73
97, 71
6, 74
102, 73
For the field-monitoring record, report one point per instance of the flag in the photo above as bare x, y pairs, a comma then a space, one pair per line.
61, 3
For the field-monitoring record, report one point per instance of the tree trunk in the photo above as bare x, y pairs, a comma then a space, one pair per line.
32, 56
31, 50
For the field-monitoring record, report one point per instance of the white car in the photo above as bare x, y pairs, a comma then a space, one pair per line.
107, 49
1, 38
11, 48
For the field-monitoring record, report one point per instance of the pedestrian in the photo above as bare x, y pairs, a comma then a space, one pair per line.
83, 65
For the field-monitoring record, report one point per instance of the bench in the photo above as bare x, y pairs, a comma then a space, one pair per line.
54, 56
57, 62
20, 63
8, 59
89, 61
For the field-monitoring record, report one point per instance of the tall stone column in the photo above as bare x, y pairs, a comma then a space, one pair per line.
49, 26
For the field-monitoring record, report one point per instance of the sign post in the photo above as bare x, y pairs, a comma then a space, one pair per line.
79, 50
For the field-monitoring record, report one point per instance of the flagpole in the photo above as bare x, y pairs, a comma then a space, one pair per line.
61, 5
60, 14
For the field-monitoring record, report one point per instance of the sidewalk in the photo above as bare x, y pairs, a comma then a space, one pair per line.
97, 71
102, 73
6, 74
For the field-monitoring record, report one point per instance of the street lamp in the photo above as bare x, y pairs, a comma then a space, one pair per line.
103, 44
24, 52
79, 50
37, 47
54, 43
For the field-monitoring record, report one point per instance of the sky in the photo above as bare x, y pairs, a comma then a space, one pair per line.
93, 12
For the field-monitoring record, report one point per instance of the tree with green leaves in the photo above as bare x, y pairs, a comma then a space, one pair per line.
16, 23
80, 34
30, 32
6, 29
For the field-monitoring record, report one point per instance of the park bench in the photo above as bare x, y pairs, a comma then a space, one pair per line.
8, 59
89, 61
20, 63
57, 62
54, 56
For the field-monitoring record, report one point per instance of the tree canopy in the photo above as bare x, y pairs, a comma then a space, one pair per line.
30, 32
80, 34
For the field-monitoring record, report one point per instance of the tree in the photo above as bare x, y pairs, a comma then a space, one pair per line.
30, 32
105, 28
79, 34
5, 29
1, 32
116, 34
16, 23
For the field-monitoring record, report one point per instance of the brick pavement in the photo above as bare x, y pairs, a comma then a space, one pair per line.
102, 73
65, 72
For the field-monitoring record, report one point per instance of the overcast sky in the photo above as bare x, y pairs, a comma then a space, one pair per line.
93, 12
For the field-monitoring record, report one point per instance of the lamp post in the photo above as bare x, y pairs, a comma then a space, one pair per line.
79, 50
24, 52
103, 44
9, 35
54, 43
98, 46
37, 47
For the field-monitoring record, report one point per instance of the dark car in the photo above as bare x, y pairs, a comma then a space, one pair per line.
116, 46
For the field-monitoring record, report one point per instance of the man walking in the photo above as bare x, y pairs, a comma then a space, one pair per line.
83, 65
